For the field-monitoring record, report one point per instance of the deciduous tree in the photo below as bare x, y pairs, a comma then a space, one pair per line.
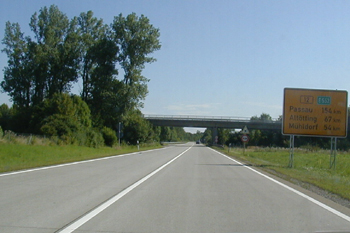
56, 51
136, 38
18, 76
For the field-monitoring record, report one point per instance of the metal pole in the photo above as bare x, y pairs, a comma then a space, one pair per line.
291, 151
119, 132
333, 155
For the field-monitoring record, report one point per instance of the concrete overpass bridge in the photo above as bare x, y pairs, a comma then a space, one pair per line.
214, 122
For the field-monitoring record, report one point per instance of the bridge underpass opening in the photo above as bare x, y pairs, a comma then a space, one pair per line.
194, 130
214, 132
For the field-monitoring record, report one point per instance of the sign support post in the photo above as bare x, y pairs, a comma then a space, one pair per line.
291, 151
245, 137
119, 126
333, 152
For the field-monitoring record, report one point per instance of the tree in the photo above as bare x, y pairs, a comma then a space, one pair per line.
5, 117
165, 134
91, 30
223, 135
104, 93
136, 39
56, 51
255, 137
260, 137
207, 137
64, 50
263, 117
266, 137
17, 75
39, 68
136, 128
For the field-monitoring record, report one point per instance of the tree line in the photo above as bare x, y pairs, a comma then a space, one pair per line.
105, 60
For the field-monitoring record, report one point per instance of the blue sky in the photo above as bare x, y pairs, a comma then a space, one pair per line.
224, 57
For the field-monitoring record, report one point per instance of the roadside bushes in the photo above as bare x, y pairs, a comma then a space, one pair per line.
109, 136
68, 119
94, 138
60, 125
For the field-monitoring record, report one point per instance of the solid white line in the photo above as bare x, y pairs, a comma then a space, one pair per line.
78, 223
330, 209
74, 163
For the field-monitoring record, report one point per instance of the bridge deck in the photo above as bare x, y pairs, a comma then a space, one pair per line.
213, 122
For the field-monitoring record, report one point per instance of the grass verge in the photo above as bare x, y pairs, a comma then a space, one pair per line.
310, 168
18, 156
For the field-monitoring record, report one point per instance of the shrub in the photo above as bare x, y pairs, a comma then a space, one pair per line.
94, 138
57, 125
109, 136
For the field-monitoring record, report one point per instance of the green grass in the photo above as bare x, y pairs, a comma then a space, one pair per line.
19, 156
309, 167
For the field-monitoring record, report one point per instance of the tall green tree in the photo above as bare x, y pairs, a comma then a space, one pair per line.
104, 93
91, 31
136, 38
18, 76
38, 68
56, 51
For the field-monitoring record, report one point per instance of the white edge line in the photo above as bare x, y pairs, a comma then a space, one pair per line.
74, 163
81, 221
330, 209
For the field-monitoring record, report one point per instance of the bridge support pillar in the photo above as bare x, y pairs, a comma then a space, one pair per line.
214, 135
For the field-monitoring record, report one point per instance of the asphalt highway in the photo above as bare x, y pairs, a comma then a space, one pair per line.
183, 188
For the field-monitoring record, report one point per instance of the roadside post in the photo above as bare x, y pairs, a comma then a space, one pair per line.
291, 151
138, 145
315, 113
333, 152
245, 137
119, 131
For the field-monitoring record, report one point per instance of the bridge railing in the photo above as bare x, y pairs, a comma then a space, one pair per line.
203, 118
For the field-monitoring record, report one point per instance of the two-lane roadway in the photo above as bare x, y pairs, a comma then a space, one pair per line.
183, 188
